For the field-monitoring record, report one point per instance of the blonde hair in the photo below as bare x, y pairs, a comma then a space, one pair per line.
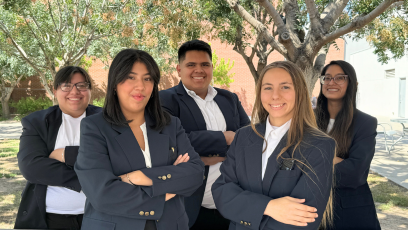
303, 120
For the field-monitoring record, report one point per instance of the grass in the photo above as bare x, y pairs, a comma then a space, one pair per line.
9, 147
386, 192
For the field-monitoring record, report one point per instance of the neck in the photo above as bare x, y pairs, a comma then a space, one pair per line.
278, 122
202, 94
75, 114
334, 107
137, 118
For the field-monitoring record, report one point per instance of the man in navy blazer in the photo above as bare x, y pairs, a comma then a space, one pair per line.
210, 117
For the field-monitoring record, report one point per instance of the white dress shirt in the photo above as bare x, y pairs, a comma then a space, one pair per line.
146, 152
60, 200
273, 135
215, 121
330, 126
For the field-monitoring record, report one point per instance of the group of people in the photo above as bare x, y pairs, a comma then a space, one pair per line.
189, 157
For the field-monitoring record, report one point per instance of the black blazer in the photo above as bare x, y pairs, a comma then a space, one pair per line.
108, 151
40, 130
354, 205
207, 143
241, 195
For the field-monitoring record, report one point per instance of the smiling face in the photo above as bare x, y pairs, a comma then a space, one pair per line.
134, 93
74, 102
278, 96
196, 71
334, 91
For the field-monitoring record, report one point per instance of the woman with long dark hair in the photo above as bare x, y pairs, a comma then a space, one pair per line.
278, 171
135, 163
354, 132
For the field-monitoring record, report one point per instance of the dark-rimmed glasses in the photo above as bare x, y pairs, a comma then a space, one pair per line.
81, 86
338, 79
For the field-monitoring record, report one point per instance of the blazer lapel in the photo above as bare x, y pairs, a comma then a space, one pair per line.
253, 160
53, 122
227, 112
192, 106
273, 166
158, 144
127, 141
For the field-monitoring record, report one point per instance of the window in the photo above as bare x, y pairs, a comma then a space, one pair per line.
390, 73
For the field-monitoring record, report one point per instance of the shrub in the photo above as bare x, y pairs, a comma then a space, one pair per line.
28, 105
99, 102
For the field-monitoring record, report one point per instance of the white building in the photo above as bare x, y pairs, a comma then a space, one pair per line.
381, 88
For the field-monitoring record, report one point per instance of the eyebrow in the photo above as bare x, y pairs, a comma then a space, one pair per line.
137, 74
282, 83
198, 63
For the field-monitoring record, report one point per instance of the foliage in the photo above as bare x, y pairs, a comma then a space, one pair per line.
52, 34
28, 105
221, 69
99, 102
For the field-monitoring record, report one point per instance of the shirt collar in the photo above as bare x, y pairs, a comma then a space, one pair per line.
210, 94
279, 131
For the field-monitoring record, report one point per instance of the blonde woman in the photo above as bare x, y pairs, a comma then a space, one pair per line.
278, 171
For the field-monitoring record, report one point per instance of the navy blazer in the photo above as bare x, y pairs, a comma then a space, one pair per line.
40, 130
207, 143
108, 151
354, 206
241, 195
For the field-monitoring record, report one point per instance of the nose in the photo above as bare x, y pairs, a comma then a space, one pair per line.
74, 90
199, 69
275, 94
331, 82
139, 84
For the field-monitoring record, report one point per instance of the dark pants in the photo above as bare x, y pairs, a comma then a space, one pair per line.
64, 222
210, 219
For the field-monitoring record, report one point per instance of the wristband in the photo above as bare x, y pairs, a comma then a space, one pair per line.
127, 175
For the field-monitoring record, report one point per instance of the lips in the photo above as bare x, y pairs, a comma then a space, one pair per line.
277, 106
74, 99
198, 78
333, 90
138, 97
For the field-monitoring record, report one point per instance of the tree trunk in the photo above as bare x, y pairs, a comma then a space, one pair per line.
5, 113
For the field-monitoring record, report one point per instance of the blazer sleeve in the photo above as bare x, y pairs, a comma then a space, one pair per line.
315, 183
104, 190
350, 173
185, 178
233, 202
35, 164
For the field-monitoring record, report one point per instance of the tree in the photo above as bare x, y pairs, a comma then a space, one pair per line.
221, 69
51, 34
300, 30
12, 70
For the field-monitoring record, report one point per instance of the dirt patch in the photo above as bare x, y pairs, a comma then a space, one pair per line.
393, 218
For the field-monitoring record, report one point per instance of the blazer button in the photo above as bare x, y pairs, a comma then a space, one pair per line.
245, 223
25, 213
151, 213
204, 178
249, 224
147, 214
169, 176
157, 220
164, 178
242, 222
210, 155
141, 213
172, 148
160, 177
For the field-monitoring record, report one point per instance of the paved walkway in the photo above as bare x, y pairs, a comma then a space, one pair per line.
394, 166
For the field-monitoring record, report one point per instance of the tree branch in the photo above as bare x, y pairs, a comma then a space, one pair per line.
274, 14
332, 12
313, 16
358, 22
258, 26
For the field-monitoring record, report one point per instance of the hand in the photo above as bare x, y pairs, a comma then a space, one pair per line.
289, 210
229, 136
212, 160
182, 159
169, 196
337, 160
58, 155
137, 178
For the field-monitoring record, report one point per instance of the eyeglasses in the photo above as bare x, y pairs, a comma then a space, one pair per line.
338, 79
81, 86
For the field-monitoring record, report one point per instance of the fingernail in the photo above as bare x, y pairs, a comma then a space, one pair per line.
315, 210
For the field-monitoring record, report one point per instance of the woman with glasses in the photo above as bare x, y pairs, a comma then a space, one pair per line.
49, 146
135, 162
354, 132
278, 171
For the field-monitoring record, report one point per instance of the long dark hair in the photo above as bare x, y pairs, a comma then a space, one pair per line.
342, 130
118, 72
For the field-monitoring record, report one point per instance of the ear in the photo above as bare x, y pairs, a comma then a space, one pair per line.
178, 69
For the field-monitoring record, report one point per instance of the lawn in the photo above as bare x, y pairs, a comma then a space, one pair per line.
391, 199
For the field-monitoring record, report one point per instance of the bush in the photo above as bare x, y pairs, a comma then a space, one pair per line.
28, 105
99, 102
